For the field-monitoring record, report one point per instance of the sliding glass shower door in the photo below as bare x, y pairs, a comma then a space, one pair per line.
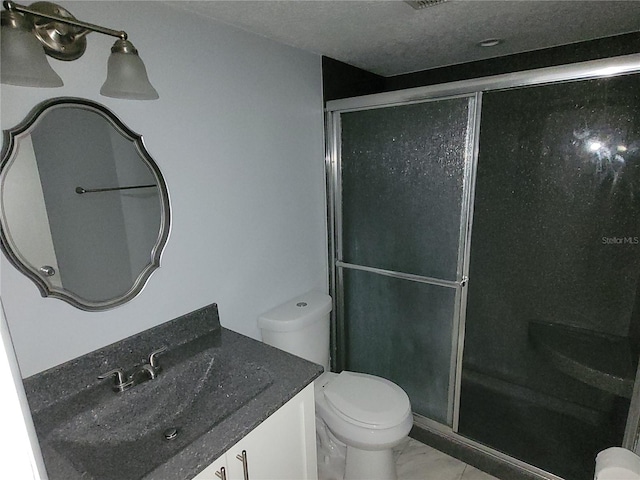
553, 314
401, 193
485, 239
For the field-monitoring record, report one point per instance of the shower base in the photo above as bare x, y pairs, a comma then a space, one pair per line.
553, 439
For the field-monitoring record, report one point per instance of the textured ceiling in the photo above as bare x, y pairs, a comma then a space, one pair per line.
391, 38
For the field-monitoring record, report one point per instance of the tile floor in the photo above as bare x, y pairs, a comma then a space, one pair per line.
416, 461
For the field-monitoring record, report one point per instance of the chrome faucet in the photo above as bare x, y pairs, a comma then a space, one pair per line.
153, 367
143, 373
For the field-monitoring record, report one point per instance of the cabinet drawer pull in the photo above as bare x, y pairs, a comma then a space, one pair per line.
245, 464
222, 473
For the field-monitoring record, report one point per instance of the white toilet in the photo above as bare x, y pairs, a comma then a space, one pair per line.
367, 414
617, 463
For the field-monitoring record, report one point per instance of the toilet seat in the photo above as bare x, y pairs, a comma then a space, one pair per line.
367, 400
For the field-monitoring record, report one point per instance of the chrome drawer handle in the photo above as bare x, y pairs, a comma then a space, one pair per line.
245, 464
222, 473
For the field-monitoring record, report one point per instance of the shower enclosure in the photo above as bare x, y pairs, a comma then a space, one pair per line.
486, 242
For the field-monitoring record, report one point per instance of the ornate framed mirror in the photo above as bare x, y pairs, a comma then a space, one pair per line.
85, 211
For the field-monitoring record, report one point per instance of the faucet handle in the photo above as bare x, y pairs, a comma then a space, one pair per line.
153, 356
118, 373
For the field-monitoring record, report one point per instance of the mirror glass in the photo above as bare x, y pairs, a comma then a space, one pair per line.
85, 210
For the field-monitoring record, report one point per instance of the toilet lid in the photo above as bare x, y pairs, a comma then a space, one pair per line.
368, 400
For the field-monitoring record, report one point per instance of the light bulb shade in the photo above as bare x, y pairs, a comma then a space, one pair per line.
127, 77
24, 62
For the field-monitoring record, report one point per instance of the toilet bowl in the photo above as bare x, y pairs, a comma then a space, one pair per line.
360, 417
369, 415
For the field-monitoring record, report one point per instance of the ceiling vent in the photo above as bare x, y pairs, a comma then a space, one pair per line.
420, 4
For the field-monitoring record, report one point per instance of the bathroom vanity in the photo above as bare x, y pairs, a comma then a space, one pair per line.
282, 447
213, 405
179, 401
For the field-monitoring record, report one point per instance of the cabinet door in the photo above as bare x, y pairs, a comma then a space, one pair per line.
219, 467
283, 447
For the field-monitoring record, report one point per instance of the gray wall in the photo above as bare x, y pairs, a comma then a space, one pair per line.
238, 134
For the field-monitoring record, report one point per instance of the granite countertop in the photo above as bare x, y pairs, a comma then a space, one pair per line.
214, 388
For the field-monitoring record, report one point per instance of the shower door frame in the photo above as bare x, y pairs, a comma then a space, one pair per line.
609, 67
461, 266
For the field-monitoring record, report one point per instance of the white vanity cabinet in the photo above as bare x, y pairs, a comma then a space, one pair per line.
283, 447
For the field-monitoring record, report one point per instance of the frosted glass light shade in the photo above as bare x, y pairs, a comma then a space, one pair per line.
127, 78
24, 62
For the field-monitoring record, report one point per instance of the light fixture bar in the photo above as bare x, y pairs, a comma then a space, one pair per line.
12, 6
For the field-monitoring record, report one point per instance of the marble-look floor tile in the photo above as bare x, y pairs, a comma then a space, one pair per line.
421, 462
397, 450
472, 473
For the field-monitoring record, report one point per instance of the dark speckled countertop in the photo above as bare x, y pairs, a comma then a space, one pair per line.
214, 388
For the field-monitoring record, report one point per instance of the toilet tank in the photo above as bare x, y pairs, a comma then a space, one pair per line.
300, 326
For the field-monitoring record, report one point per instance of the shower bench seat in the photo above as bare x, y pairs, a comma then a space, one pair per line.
607, 362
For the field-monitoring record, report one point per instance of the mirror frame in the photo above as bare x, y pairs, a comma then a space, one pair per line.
8, 155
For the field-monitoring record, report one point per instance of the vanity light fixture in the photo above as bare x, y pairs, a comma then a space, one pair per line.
28, 33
